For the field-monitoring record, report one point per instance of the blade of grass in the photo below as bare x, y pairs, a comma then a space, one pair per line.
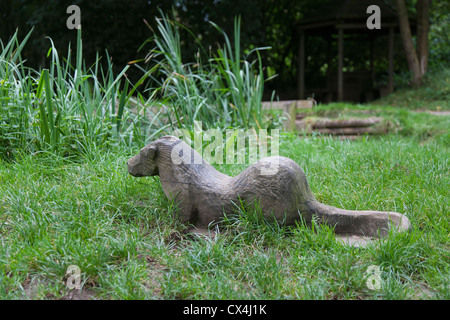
48, 101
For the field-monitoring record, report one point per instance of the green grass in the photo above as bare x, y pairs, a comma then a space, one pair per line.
421, 126
66, 197
433, 95
119, 230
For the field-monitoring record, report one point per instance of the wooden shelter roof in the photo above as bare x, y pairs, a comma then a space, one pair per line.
347, 14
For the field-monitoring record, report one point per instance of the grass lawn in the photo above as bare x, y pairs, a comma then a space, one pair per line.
433, 95
89, 212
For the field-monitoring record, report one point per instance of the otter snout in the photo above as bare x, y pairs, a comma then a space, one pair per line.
135, 166
144, 163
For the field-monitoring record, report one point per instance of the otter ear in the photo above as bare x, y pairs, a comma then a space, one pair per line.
149, 152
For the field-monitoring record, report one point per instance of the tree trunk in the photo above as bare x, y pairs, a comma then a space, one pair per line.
423, 26
405, 32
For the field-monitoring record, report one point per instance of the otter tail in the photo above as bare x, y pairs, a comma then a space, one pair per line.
360, 223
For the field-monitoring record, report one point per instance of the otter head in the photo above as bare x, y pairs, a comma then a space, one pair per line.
144, 163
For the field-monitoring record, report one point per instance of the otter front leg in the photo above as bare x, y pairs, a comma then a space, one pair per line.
178, 194
189, 215
185, 211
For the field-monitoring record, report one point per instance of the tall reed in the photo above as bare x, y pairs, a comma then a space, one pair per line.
222, 92
70, 108
67, 107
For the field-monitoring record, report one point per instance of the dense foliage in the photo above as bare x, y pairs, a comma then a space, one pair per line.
118, 27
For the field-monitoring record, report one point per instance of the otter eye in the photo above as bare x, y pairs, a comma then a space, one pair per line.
149, 152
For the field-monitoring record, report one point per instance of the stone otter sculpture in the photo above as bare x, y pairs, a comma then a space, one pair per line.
204, 195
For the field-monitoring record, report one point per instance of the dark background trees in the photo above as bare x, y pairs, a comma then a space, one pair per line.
417, 59
117, 26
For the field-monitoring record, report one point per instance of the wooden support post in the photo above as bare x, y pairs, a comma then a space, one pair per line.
340, 77
301, 66
292, 115
372, 59
391, 61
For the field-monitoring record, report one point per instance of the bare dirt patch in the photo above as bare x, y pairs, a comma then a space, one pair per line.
39, 288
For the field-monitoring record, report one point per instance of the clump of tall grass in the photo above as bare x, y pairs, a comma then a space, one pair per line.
14, 120
66, 108
225, 91
71, 108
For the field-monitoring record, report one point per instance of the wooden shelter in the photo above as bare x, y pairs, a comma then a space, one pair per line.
334, 21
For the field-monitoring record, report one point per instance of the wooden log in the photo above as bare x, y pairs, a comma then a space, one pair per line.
345, 123
349, 130
290, 107
305, 104
301, 115
285, 104
351, 138
300, 125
